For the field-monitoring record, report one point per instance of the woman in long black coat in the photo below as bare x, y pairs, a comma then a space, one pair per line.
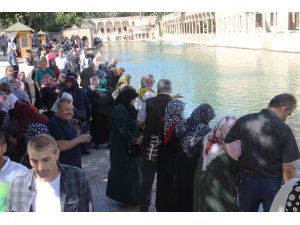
101, 106
191, 132
125, 173
167, 155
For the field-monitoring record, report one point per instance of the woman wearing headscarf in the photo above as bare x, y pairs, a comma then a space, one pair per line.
94, 82
54, 68
101, 106
23, 83
191, 132
287, 198
101, 71
166, 158
82, 110
47, 95
217, 171
24, 115
125, 172
123, 82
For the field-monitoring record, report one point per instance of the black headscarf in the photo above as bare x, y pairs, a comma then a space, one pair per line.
192, 130
74, 88
124, 98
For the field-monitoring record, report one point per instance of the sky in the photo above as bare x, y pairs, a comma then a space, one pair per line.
151, 5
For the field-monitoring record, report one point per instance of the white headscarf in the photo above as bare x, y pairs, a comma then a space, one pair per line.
64, 95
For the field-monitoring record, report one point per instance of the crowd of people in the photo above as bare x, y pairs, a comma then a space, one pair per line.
83, 102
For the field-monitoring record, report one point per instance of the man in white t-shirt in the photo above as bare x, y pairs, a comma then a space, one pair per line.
9, 170
61, 60
49, 186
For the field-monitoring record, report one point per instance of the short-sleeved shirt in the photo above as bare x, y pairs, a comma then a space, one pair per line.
9, 171
61, 62
39, 76
266, 143
64, 130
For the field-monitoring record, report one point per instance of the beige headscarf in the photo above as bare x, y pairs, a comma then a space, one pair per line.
123, 82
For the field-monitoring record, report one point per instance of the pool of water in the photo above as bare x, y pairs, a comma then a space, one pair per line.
234, 81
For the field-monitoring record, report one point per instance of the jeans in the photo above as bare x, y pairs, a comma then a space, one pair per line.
12, 60
255, 189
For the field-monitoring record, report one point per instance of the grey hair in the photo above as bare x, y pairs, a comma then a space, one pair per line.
282, 100
62, 101
94, 79
164, 85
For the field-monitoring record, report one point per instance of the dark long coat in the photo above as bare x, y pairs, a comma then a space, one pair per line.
125, 172
101, 106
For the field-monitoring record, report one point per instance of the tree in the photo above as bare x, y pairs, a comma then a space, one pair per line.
67, 20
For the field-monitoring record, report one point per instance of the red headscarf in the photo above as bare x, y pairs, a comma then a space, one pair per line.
26, 114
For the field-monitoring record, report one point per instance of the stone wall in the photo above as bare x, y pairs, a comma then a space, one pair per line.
81, 32
55, 35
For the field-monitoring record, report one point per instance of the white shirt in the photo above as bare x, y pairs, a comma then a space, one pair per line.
139, 102
61, 62
48, 196
10, 170
11, 47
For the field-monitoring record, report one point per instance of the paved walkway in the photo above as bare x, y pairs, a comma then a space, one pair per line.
96, 166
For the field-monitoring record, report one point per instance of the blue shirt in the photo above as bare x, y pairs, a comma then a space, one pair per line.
64, 130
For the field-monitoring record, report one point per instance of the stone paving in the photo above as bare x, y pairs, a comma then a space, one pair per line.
96, 166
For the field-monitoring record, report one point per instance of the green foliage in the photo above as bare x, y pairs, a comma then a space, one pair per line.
55, 21
66, 20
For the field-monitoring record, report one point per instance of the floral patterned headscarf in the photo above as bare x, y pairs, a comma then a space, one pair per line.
192, 130
174, 113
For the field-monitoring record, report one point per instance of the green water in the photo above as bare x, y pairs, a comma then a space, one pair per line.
234, 81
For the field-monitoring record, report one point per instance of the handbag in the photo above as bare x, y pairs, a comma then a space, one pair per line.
155, 142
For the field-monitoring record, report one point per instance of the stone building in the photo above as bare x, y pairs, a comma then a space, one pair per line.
122, 28
277, 31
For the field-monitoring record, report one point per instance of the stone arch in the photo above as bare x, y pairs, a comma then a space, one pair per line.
117, 27
109, 27
100, 27
125, 25
153, 35
89, 24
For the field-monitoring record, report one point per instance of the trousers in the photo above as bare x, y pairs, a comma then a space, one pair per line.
255, 190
